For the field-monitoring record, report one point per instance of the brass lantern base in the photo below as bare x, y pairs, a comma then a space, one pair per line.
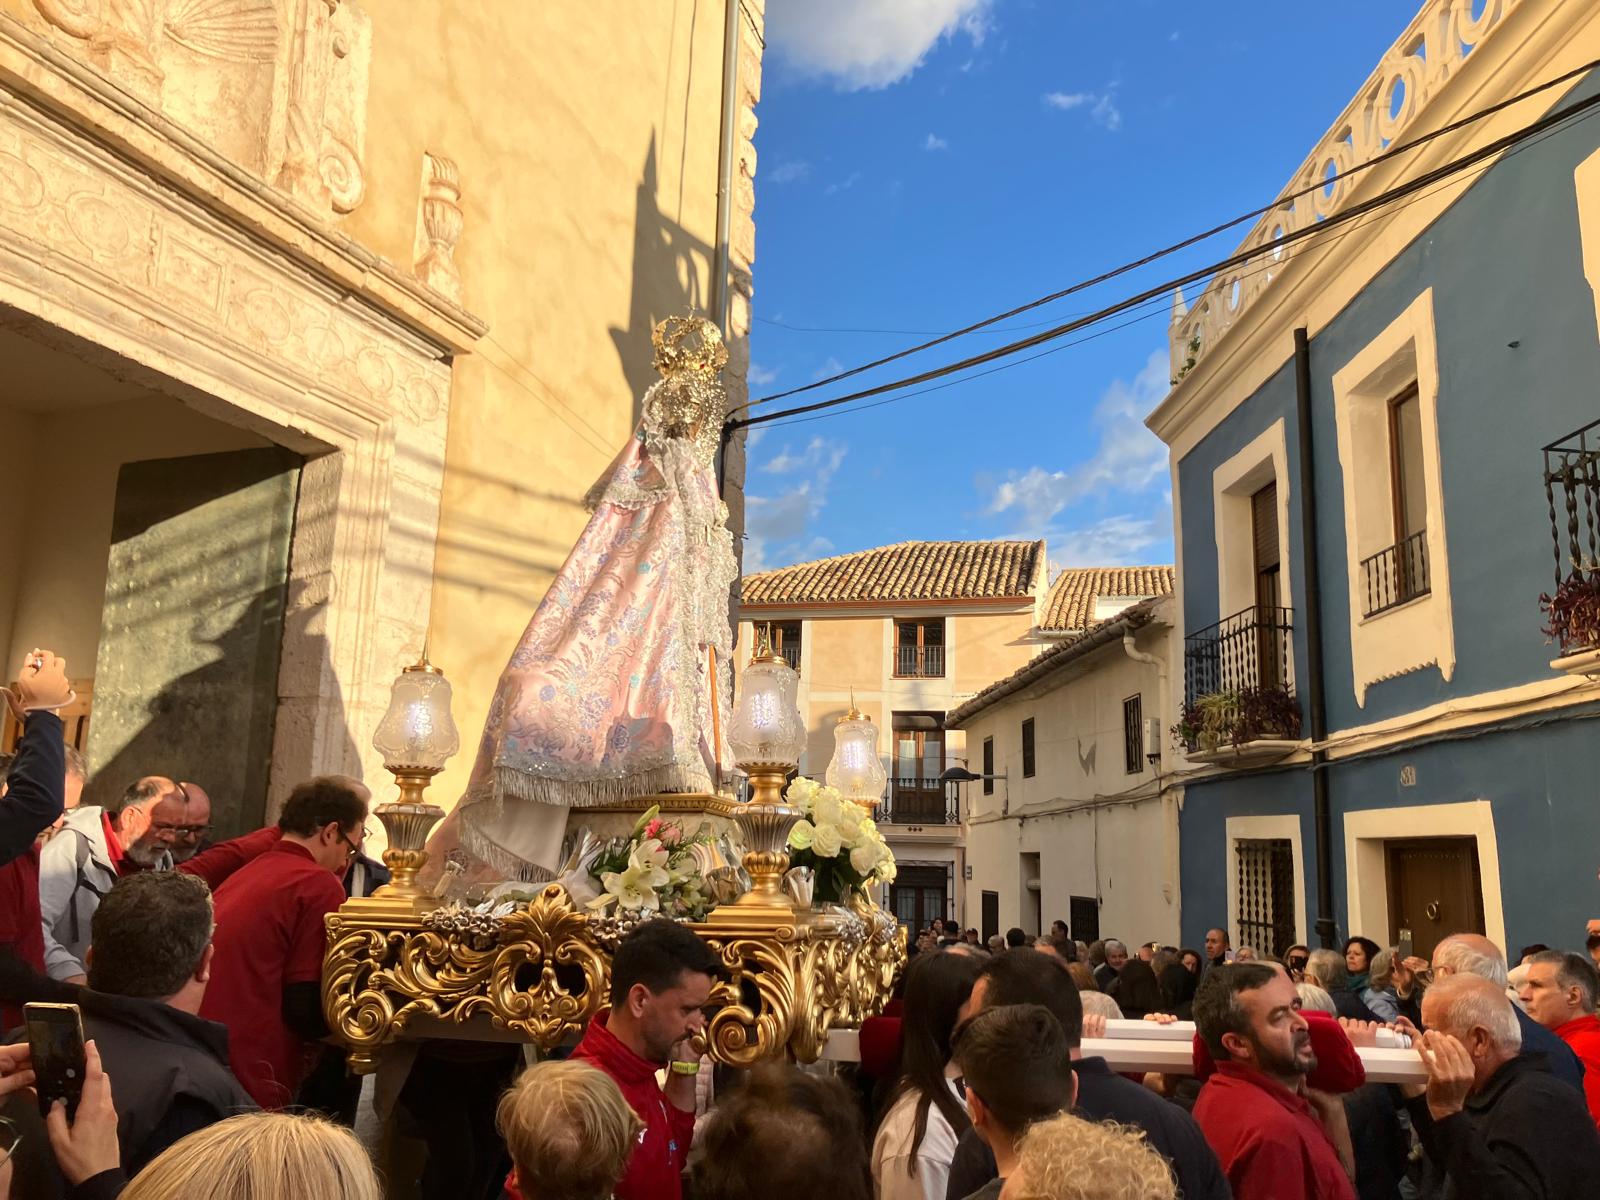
407, 821
765, 822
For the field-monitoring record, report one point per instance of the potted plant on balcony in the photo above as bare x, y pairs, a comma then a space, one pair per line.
1572, 619
1240, 727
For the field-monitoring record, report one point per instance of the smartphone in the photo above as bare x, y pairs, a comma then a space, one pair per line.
1405, 947
55, 1043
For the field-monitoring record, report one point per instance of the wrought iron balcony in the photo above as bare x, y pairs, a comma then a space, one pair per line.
921, 802
791, 655
1572, 490
1395, 575
919, 662
1250, 649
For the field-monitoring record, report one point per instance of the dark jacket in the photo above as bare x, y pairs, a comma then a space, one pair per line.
1350, 1004
1525, 1136
1104, 1095
1536, 1039
35, 787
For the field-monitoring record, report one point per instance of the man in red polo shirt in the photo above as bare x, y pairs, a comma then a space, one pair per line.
1276, 1138
266, 976
661, 977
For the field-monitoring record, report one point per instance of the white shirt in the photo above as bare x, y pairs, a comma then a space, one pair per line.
891, 1151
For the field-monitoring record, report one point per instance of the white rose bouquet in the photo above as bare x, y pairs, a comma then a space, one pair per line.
838, 841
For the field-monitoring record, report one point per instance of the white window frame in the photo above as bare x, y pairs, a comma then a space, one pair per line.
1366, 864
1247, 829
1419, 633
1265, 460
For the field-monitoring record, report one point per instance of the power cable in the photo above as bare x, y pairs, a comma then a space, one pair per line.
1277, 204
1243, 257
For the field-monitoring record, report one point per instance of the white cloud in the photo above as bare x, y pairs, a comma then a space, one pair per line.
792, 171
1129, 458
1119, 541
935, 143
776, 526
762, 376
753, 436
1102, 106
868, 43
1066, 100
848, 182
830, 366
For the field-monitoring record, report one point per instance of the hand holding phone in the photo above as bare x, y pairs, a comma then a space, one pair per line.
55, 1044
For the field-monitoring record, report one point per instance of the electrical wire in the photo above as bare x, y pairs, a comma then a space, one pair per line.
1242, 258
1156, 306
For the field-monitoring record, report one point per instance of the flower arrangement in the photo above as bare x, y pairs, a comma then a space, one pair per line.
1573, 613
838, 841
1233, 718
657, 868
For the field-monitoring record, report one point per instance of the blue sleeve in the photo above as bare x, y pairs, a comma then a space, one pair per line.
35, 787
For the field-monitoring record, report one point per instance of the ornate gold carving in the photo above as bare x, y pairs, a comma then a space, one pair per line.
789, 982
439, 224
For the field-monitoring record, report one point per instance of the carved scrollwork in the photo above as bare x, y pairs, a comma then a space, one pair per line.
548, 972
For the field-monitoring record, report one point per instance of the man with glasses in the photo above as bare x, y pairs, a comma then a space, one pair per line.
266, 978
186, 835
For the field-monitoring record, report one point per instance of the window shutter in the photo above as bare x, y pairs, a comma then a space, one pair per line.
1264, 523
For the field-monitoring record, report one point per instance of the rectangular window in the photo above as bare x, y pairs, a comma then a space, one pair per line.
988, 766
917, 794
1266, 894
1027, 748
786, 641
919, 649
1405, 464
1133, 734
1268, 563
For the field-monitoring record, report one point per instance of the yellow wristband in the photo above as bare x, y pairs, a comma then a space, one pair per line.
684, 1068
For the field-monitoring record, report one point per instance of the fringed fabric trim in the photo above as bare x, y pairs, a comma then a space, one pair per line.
568, 793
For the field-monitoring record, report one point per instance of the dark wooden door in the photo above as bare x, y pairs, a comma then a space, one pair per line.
1434, 890
991, 915
1085, 918
918, 895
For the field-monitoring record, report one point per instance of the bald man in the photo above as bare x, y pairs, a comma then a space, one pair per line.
1491, 1118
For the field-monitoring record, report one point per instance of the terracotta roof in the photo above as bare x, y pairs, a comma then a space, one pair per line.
1070, 607
1061, 655
904, 571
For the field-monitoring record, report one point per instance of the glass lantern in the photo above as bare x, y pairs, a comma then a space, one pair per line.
417, 734
766, 727
856, 770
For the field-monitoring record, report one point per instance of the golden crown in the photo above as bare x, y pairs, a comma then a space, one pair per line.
688, 344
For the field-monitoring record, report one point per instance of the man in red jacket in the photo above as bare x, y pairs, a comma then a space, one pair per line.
1276, 1139
661, 979
1560, 992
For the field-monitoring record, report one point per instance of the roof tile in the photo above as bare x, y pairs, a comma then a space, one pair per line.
904, 571
1070, 607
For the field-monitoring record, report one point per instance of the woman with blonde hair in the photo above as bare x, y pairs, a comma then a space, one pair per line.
569, 1132
1068, 1158
261, 1156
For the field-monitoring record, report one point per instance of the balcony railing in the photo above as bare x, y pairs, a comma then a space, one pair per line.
922, 802
919, 662
1572, 491
1250, 649
791, 655
1395, 575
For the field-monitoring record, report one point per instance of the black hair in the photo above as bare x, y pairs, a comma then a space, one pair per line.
1371, 948
1216, 1004
1536, 948
1017, 1060
320, 802
1136, 990
149, 934
657, 954
937, 985
1015, 937
1028, 977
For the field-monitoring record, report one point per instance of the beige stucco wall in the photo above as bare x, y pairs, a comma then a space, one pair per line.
992, 646
66, 519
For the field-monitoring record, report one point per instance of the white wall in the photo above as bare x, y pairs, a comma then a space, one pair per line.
1098, 830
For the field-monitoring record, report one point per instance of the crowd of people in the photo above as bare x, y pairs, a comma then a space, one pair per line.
196, 969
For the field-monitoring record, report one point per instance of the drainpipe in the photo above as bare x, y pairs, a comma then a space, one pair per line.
1327, 930
1169, 806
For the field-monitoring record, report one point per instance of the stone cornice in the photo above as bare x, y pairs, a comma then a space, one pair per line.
96, 108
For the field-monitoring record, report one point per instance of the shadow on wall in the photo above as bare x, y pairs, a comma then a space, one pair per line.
670, 267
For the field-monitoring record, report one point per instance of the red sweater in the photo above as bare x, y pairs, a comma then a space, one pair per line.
655, 1171
1268, 1139
1583, 1035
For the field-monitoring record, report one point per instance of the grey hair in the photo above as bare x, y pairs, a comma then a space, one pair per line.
1480, 1008
1101, 1005
1464, 960
1380, 971
1110, 942
1573, 970
1315, 999
1328, 966
76, 767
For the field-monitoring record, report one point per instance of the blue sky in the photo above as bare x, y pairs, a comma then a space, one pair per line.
926, 163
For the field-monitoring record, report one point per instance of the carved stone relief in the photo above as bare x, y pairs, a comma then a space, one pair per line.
278, 86
439, 223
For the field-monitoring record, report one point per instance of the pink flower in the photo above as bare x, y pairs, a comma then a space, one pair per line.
653, 829
671, 835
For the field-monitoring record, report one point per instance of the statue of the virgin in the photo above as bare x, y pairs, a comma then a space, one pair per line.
619, 687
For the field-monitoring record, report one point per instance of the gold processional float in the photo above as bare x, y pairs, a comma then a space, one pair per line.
779, 884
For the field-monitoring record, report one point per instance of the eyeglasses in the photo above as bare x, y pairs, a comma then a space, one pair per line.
10, 1139
355, 847
183, 831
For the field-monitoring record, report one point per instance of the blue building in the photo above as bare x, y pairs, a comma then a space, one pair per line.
1379, 464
